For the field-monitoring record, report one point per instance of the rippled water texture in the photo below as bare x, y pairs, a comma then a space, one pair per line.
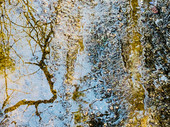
84, 63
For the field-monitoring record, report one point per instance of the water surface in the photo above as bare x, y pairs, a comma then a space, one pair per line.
73, 63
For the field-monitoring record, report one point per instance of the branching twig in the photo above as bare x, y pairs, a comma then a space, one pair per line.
24, 102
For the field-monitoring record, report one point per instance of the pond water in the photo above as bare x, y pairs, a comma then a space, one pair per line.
79, 63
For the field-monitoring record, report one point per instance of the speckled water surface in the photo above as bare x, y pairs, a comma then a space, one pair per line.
84, 63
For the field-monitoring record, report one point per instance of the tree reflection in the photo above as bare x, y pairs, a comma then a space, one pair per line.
28, 49
36, 32
7, 64
39, 36
132, 54
75, 45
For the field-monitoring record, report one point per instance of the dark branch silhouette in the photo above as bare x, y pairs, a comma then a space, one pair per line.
41, 35
24, 102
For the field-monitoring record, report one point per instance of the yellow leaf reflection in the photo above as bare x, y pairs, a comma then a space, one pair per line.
80, 116
75, 45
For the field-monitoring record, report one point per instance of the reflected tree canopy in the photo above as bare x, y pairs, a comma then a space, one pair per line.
79, 63
27, 31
